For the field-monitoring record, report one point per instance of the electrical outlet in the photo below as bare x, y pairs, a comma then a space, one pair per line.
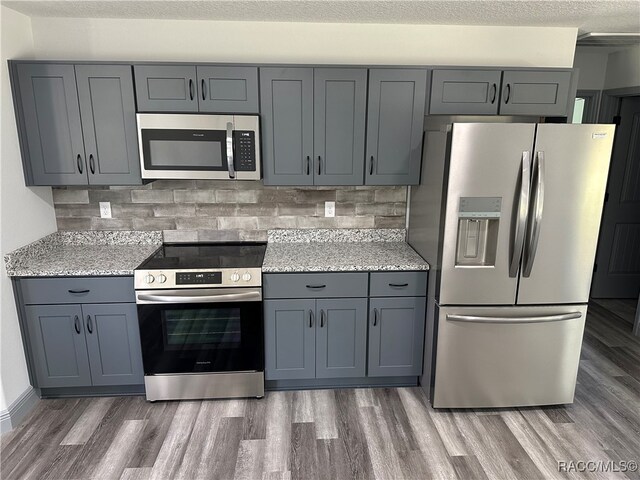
105, 209
329, 209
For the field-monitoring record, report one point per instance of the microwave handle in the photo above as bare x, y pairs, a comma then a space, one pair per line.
232, 173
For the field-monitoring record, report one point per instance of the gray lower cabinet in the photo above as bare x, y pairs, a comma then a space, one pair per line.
85, 345
395, 121
526, 92
76, 124
396, 336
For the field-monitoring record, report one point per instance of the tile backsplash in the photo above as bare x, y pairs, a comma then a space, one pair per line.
210, 210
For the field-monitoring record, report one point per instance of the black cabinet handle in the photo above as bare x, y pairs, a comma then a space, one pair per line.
79, 161
191, 88
371, 165
321, 318
399, 285
308, 165
92, 164
89, 324
78, 291
508, 94
495, 91
319, 165
204, 90
76, 324
316, 286
310, 318
375, 317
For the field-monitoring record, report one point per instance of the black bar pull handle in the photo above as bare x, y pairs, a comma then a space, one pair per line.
371, 165
321, 318
319, 165
76, 324
398, 285
191, 88
308, 165
508, 94
375, 317
204, 89
79, 161
316, 286
92, 164
79, 291
310, 318
89, 324
494, 89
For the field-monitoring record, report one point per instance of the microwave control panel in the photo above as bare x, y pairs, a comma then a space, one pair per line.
245, 151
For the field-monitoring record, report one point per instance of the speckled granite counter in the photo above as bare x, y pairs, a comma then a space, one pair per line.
339, 251
89, 253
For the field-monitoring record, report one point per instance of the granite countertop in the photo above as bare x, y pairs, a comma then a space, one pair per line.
87, 253
340, 251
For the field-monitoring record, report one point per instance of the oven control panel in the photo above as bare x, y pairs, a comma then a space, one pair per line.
226, 277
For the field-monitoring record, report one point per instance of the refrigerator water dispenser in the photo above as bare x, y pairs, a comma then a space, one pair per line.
478, 222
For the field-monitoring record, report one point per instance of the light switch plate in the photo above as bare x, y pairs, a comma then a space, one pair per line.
105, 209
329, 209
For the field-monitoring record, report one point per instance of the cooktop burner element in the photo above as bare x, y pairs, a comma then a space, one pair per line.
193, 265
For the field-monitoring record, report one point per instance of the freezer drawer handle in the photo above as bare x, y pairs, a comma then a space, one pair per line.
521, 218
514, 320
535, 216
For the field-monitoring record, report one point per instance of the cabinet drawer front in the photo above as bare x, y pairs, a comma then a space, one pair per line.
77, 290
315, 285
398, 284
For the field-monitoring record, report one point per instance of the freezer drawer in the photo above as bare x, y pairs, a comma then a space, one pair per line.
507, 356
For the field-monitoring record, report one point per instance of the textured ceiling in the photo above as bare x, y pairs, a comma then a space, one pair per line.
587, 15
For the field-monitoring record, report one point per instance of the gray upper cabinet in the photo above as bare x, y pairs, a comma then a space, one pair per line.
394, 126
465, 92
108, 112
526, 92
289, 339
113, 343
56, 337
227, 89
50, 127
166, 88
286, 107
339, 109
77, 124
341, 337
396, 336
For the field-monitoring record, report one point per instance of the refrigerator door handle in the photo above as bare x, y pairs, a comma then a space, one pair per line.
513, 320
536, 215
521, 216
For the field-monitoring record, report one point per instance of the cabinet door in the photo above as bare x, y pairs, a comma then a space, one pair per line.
56, 335
108, 112
290, 339
166, 88
460, 92
228, 89
394, 126
113, 343
341, 336
52, 129
286, 106
339, 111
535, 93
396, 336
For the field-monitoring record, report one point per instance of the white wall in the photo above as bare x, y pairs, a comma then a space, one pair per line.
593, 68
264, 42
623, 69
26, 214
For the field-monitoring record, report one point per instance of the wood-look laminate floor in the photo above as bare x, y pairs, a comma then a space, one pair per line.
344, 434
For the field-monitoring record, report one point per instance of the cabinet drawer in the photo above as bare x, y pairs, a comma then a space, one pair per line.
398, 284
315, 285
40, 291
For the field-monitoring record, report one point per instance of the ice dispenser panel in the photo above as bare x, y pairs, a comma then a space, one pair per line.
478, 222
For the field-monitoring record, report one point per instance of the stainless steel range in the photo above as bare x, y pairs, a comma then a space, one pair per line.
200, 318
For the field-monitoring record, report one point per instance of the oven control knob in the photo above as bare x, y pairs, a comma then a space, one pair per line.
162, 278
235, 277
149, 278
246, 276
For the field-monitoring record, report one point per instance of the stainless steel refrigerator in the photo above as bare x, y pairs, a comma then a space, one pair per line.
508, 215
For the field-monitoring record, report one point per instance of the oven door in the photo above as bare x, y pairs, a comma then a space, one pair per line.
201, 330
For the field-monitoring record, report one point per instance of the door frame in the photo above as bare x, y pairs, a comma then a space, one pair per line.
592, 99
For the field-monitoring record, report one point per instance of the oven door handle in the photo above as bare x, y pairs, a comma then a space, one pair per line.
254, 296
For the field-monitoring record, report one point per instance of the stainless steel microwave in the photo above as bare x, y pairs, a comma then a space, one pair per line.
198, 146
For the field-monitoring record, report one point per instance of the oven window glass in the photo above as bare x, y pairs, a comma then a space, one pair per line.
167, 153
202, 328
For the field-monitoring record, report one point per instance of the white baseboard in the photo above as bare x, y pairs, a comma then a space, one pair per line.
20, 408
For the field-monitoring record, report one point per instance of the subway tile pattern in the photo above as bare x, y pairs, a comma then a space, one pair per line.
213, 210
